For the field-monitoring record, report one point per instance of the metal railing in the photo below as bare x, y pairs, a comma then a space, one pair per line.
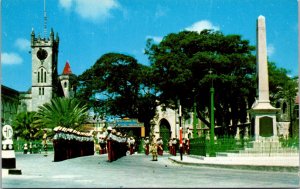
35, 147
201, 146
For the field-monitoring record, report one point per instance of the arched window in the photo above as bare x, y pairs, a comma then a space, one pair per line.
65, 84
284, 107
42, 78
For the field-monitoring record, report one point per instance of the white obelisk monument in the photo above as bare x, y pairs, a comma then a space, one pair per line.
262, 112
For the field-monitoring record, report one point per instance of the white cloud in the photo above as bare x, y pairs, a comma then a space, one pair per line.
95, 10
156, 39
201, 25
65, 3
11, 58
22, 44
270, 49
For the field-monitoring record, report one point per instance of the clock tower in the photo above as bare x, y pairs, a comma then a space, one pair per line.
44, 53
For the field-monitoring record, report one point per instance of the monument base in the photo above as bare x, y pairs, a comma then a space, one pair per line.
263, 118
8, 163
11, 172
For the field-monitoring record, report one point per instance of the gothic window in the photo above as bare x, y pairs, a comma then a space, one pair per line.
41, 91
42, 78
65, 85
45, 77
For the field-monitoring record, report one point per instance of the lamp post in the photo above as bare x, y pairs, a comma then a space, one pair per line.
212, 152
195, 119
180, 131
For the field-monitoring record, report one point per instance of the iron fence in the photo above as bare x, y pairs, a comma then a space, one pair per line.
35, 146
198, 146
201, 146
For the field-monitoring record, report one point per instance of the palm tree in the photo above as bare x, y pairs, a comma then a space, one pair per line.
24, 127
65, 112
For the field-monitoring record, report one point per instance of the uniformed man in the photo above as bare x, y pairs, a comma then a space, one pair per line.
101, 142
174, 146
159, 143
45, 142
131, 145
187, 146
146, 145
170, 146
153, 150
25, 148
57, 144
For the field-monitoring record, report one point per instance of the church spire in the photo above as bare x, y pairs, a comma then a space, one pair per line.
45, 20
67, 69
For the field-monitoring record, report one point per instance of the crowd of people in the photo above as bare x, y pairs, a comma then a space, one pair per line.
69, 143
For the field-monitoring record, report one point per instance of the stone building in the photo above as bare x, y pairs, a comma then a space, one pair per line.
9, 104
46, 83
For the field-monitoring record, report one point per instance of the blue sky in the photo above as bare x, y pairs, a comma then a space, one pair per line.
90, 28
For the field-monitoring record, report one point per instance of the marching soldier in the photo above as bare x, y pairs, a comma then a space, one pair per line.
184, 146
45, 142
153, 150
131, 145
102, 144
146, 145
57, 144
159, 146
170, 146
187, 146
25, 148
174, 146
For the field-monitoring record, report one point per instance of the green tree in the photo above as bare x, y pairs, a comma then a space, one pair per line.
281, 85
23, 126
284, 87
65, 112
117, 85
181, 64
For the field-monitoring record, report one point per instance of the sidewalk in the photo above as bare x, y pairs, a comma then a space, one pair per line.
277, 163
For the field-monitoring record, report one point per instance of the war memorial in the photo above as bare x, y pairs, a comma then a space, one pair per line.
107, 157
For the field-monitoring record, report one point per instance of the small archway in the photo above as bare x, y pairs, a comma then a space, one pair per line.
165, 132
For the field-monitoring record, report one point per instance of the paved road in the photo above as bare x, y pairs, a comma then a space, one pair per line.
134, 171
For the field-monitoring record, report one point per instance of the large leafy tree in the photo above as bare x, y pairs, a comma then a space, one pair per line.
182, 63
117, 85
281, 85
65, 112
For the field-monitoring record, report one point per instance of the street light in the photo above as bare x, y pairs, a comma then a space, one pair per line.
195, 119
180, 131
212, 152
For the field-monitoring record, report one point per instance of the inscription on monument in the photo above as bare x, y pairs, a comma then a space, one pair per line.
266, 126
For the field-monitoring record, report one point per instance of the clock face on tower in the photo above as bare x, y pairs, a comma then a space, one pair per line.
42, 54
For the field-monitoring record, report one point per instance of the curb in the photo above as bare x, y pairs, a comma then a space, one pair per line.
243, 167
